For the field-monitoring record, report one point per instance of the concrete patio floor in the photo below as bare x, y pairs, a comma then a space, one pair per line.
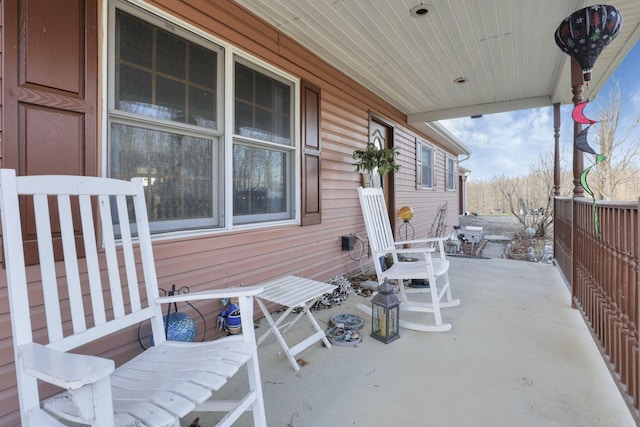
517, 355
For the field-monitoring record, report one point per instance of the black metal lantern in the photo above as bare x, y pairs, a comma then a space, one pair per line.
385, 314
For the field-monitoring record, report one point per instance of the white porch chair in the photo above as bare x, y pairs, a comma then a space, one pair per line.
424, 259
96, 291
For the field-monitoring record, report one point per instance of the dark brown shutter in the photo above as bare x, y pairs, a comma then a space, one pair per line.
50, 92
311, 155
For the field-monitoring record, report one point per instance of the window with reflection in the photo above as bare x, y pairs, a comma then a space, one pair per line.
176, 170
167, 89
164, 124
161, 75
451, 173
427, 155
262, 148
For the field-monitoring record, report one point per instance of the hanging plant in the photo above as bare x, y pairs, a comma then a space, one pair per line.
375, 162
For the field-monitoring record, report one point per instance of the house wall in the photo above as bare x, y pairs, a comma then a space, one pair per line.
251, 256
1, 85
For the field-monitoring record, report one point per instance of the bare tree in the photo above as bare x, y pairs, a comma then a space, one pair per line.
509, 188
515, 192
530, 198
476, 194
541, 172
618, 145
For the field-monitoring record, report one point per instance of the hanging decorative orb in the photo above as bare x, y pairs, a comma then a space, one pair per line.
181, 327
585, 33
406, 213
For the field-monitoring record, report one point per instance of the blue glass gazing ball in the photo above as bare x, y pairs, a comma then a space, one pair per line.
181, 327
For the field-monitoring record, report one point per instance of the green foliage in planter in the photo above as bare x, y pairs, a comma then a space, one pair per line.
372, 158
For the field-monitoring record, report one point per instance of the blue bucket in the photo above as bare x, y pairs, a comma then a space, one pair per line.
233, 319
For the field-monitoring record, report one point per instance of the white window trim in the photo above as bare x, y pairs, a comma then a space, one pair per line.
450, 160
419, 180
229, 53
291, 151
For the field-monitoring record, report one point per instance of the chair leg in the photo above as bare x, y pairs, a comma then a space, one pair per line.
103, 403
253, 369
435, 300
403, 293
450, 301
445, 276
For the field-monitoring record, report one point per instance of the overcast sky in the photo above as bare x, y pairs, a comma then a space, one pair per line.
508, 143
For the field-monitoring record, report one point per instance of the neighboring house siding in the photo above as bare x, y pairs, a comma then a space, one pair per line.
425, 202
251, 256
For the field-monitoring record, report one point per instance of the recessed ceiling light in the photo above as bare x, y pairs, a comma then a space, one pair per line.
460, 80
420, 10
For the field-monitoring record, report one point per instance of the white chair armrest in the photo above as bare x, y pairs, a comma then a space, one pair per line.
416, 241
438, 240
411, 250
435, 239
212, 294
66, 370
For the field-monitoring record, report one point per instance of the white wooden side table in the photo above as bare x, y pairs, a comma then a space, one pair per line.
293, 292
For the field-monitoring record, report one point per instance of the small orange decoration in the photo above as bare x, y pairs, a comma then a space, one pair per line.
405, 213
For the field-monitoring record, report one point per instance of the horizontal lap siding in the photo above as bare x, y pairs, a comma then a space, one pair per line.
1, 98
253, 256
425, 203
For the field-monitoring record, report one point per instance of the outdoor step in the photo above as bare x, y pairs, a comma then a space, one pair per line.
497, 237
493, 249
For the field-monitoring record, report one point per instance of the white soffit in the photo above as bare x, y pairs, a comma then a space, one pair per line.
505, 49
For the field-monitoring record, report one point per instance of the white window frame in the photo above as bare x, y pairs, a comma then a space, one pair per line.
450, 173
420, 184
229, 53
288, 150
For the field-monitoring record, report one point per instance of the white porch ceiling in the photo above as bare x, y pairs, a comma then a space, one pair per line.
505, 48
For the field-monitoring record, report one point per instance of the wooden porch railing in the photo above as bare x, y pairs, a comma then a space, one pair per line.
562, 224
602, 272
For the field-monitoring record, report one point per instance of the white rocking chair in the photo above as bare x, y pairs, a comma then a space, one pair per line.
107, 283
412, 263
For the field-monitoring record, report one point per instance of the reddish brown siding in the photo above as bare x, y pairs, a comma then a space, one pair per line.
225, 259
1, 83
